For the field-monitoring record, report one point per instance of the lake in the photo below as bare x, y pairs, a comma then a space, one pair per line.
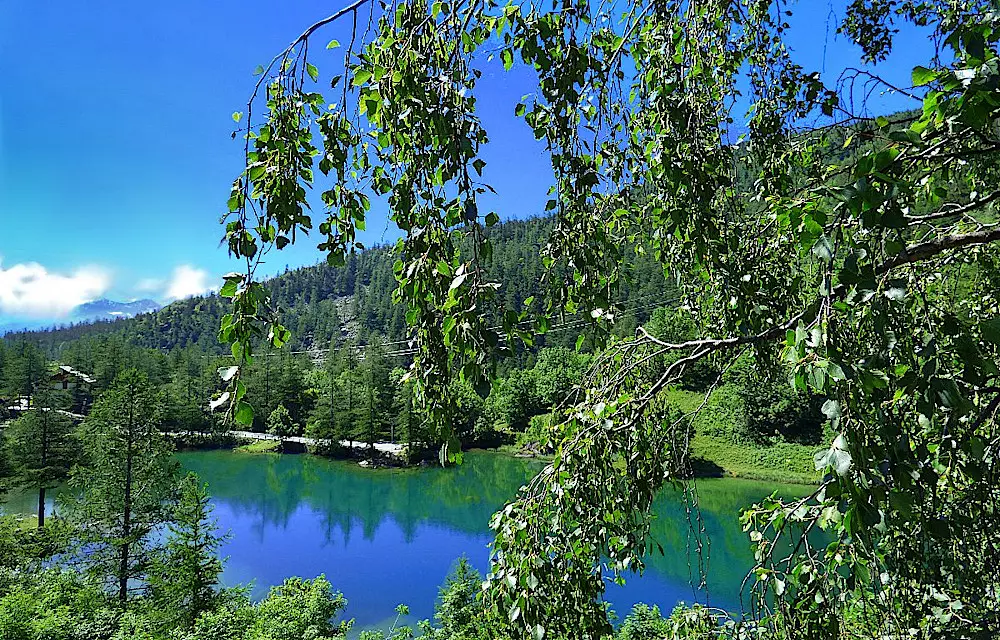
390, 536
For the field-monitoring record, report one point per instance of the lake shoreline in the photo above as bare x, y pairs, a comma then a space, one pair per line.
784, 464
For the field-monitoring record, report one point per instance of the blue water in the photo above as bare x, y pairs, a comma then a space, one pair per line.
385, 537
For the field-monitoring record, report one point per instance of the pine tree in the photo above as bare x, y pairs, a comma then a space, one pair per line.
186, 574
124, 489
24, 369
41, 449
376, 401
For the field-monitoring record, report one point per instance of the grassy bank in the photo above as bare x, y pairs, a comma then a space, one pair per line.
714, 455
782, 462
260, 446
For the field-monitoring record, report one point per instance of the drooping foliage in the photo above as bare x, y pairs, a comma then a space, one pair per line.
857, 249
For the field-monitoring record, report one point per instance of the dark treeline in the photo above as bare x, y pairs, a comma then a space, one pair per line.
359, 393
353, 394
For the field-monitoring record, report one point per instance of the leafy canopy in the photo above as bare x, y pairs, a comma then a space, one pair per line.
860, 251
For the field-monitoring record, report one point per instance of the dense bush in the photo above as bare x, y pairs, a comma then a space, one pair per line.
279, 423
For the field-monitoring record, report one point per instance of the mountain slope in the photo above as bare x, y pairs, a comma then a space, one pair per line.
322, 303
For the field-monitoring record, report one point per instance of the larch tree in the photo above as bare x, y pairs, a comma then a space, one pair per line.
185, 576
124, 489
330, 421
857, 247
25, 367
41, 448
376, 399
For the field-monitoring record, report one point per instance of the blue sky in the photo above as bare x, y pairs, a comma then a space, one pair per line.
115, 148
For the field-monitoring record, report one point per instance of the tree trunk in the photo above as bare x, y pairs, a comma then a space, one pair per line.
126, 511
41, 507
350, 413
123, 575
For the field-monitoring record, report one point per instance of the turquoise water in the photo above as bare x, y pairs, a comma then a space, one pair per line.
385, 537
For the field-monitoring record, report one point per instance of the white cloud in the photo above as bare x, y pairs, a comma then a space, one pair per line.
30, 290
188, 281
150, 285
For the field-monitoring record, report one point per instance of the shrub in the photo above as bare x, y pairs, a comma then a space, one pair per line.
279, 423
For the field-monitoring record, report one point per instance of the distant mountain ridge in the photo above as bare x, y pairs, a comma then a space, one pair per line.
87, 313
105, 309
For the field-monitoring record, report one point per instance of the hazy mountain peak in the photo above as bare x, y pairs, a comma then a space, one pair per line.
105, 309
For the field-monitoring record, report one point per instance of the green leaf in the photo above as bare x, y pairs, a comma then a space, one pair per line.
975, 45
312, 71
448, 325
514, 613
333, 44
258, 70
835, 371
228, 290
823, 249
836, 456
896, 293
361, 76
244, 413
922, 76
237, 116
991, 330
507, 57
457, 282
831, 409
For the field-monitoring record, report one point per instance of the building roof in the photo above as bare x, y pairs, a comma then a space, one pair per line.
67, 370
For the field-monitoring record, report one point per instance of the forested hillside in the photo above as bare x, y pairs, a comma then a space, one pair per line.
323, 304
340, 376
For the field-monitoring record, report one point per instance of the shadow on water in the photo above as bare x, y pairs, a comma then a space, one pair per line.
385, 537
